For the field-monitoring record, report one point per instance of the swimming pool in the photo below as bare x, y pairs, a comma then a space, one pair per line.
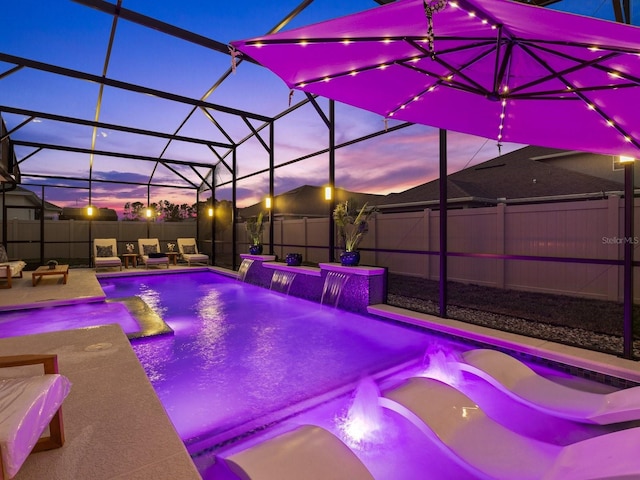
243, 357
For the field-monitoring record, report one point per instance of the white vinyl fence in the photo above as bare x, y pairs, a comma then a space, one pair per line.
573, 230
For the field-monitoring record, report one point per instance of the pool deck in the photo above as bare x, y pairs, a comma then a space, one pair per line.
114, 424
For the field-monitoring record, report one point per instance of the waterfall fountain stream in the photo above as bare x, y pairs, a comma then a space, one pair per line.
244, 268
281, 281
333, 284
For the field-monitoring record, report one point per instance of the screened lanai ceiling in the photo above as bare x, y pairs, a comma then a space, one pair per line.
121, 98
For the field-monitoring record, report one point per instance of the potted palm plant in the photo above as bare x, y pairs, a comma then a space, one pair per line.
254, 226
352, 225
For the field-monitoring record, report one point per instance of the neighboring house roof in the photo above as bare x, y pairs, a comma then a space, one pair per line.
525, 175
308, 201
72, 213
511, 177
32, 198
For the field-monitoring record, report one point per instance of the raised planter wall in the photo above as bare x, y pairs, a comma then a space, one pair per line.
364, 285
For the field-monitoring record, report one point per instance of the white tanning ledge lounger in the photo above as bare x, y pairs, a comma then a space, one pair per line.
524, 385
307, 452
487, 450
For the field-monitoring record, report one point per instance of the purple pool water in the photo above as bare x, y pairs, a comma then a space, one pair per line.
52, 319
243, 356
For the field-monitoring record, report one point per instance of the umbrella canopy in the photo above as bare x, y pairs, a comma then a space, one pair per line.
493, 68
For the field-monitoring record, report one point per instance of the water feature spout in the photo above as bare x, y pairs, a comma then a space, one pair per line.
281, 281
332, 289
244, 268
441, 365
363, 423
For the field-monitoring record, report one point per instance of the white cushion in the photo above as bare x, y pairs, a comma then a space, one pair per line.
15, 267
107, 261
27, 405
196, 257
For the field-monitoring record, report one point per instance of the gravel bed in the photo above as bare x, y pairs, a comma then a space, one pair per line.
561, 334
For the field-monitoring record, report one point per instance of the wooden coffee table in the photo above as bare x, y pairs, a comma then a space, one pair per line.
40, 272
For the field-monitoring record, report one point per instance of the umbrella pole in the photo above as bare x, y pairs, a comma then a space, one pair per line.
443, 223
629, 244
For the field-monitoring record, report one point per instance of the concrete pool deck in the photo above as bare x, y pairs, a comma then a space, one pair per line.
114, 424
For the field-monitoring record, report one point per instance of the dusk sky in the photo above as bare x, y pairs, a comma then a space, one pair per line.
68, 34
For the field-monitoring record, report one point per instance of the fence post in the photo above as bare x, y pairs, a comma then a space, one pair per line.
500, 241
426, 222
614, 229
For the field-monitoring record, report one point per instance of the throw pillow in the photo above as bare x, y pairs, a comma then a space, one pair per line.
3, 255
147, 249
189, 249
104, 251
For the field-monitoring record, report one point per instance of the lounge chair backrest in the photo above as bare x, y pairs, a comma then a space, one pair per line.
148, 245
187, 245
105, 247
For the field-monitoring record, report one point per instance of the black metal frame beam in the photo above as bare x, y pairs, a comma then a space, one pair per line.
68, 72
106, 153
107, 126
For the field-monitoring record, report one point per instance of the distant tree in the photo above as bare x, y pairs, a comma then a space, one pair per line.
133, 211
164, 210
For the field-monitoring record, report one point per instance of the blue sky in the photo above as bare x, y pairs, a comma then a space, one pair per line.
71, 35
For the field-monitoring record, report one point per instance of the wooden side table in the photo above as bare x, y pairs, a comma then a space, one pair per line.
130, 256
173, 257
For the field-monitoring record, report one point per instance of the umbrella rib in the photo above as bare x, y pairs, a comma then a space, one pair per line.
592, 106
581, 65
549, 94
612, 54
405, 63
456, 71
348, 40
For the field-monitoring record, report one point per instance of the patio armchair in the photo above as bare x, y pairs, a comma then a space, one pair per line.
9, 269
189, 251
149, 249
105, 253
29, 404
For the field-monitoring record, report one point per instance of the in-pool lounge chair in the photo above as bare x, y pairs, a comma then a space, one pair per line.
149, 249
487, 450
524, 385
189, 251
105, 253
308, 452
28, 405
9, 269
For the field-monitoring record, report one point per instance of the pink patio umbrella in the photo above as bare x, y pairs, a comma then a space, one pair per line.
493, 68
